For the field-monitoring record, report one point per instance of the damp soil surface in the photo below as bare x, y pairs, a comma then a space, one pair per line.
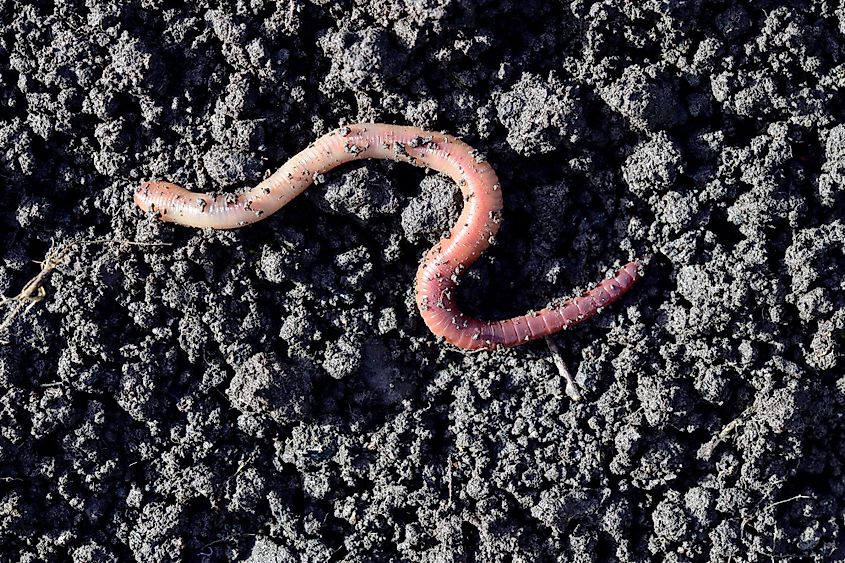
271, 394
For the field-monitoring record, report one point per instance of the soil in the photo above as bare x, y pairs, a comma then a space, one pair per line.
271, 394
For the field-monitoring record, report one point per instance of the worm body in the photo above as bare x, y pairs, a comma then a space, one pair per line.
443, 264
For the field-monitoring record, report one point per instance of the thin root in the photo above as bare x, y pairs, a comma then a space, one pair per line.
33, 291
571, 387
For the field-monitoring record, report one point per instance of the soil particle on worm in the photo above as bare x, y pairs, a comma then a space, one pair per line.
271, 392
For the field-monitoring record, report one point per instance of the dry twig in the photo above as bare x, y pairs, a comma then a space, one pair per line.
571, 386
33, 291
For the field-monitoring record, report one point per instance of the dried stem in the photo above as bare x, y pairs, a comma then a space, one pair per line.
33, 291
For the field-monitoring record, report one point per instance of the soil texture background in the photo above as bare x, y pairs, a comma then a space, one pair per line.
271, 394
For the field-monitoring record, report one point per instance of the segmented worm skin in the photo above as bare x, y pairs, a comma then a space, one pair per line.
442, 266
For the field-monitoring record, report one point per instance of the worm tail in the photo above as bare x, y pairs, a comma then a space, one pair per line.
518, 330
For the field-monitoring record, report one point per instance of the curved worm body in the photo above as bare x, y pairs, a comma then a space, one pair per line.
442, 266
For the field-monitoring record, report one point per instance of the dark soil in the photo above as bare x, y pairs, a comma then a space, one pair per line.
271, 394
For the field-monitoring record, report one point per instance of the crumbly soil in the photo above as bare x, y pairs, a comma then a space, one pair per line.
271, 394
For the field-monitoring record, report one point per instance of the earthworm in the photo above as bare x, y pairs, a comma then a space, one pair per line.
439, 271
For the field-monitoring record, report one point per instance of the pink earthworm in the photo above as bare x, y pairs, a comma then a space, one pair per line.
439, 271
